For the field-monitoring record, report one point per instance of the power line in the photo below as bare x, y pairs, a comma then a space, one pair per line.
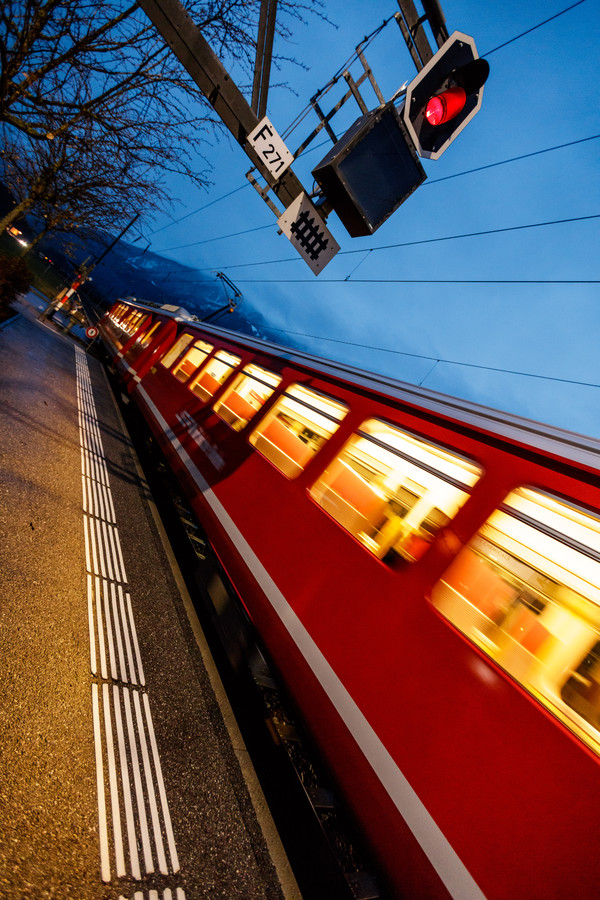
400, 281
501, 162
453, 237
200, 208
222, 237
534, 28
420, 281
452, 362
449, 237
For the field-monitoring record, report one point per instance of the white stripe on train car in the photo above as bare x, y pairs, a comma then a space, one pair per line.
457, 879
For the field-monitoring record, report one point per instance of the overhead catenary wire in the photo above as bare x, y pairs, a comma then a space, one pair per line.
533, 28
213, 239
436, 360
419, 281
401, 244
503, 162
500, 162
399, 281
200, 208
449, 237
370, 37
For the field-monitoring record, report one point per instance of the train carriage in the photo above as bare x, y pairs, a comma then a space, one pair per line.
425, 575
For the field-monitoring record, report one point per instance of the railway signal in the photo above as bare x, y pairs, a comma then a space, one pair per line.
445, 95
375, 166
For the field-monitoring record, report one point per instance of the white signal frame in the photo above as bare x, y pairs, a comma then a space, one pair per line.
454, 37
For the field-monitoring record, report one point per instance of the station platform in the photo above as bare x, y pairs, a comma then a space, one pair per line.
122, 773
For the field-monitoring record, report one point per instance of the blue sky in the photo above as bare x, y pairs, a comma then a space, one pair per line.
376, 305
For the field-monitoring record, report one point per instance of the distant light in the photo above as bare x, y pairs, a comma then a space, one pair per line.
445, 106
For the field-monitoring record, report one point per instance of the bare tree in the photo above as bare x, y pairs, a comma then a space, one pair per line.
94, 83
69, 192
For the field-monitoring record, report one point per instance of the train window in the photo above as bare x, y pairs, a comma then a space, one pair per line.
139, 323
296, 428
118, 312
183, 341
143, 340
192, 360
120, 315
210, 378
149, 334
126, 318
134, 321
393, 491
129, 325
250, 390
526, 590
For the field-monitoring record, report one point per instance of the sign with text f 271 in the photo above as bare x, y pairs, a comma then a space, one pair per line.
270, 148
306, 230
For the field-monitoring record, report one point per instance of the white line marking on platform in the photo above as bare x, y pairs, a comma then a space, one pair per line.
88, 564
103, 834
109, 631
135, 640
93, 662
122, 669
101, 647
132, 675
114, 792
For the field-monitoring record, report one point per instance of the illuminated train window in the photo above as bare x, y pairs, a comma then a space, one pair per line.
526, 590
191, 360
250, 390
393, 491
183, 341
125, 318
145, 339
213, 375
296, 428
134, 321
120, 316
129, 325
118, 312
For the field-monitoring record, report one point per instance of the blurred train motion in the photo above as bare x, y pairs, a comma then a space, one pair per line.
425, 577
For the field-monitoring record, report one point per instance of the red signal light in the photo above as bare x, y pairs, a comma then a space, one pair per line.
445, 106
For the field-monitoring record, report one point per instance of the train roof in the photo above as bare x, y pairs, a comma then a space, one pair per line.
518, 429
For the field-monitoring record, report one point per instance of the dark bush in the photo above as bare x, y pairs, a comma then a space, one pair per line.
15, 278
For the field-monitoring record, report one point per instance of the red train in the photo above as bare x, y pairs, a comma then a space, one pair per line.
425, 574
